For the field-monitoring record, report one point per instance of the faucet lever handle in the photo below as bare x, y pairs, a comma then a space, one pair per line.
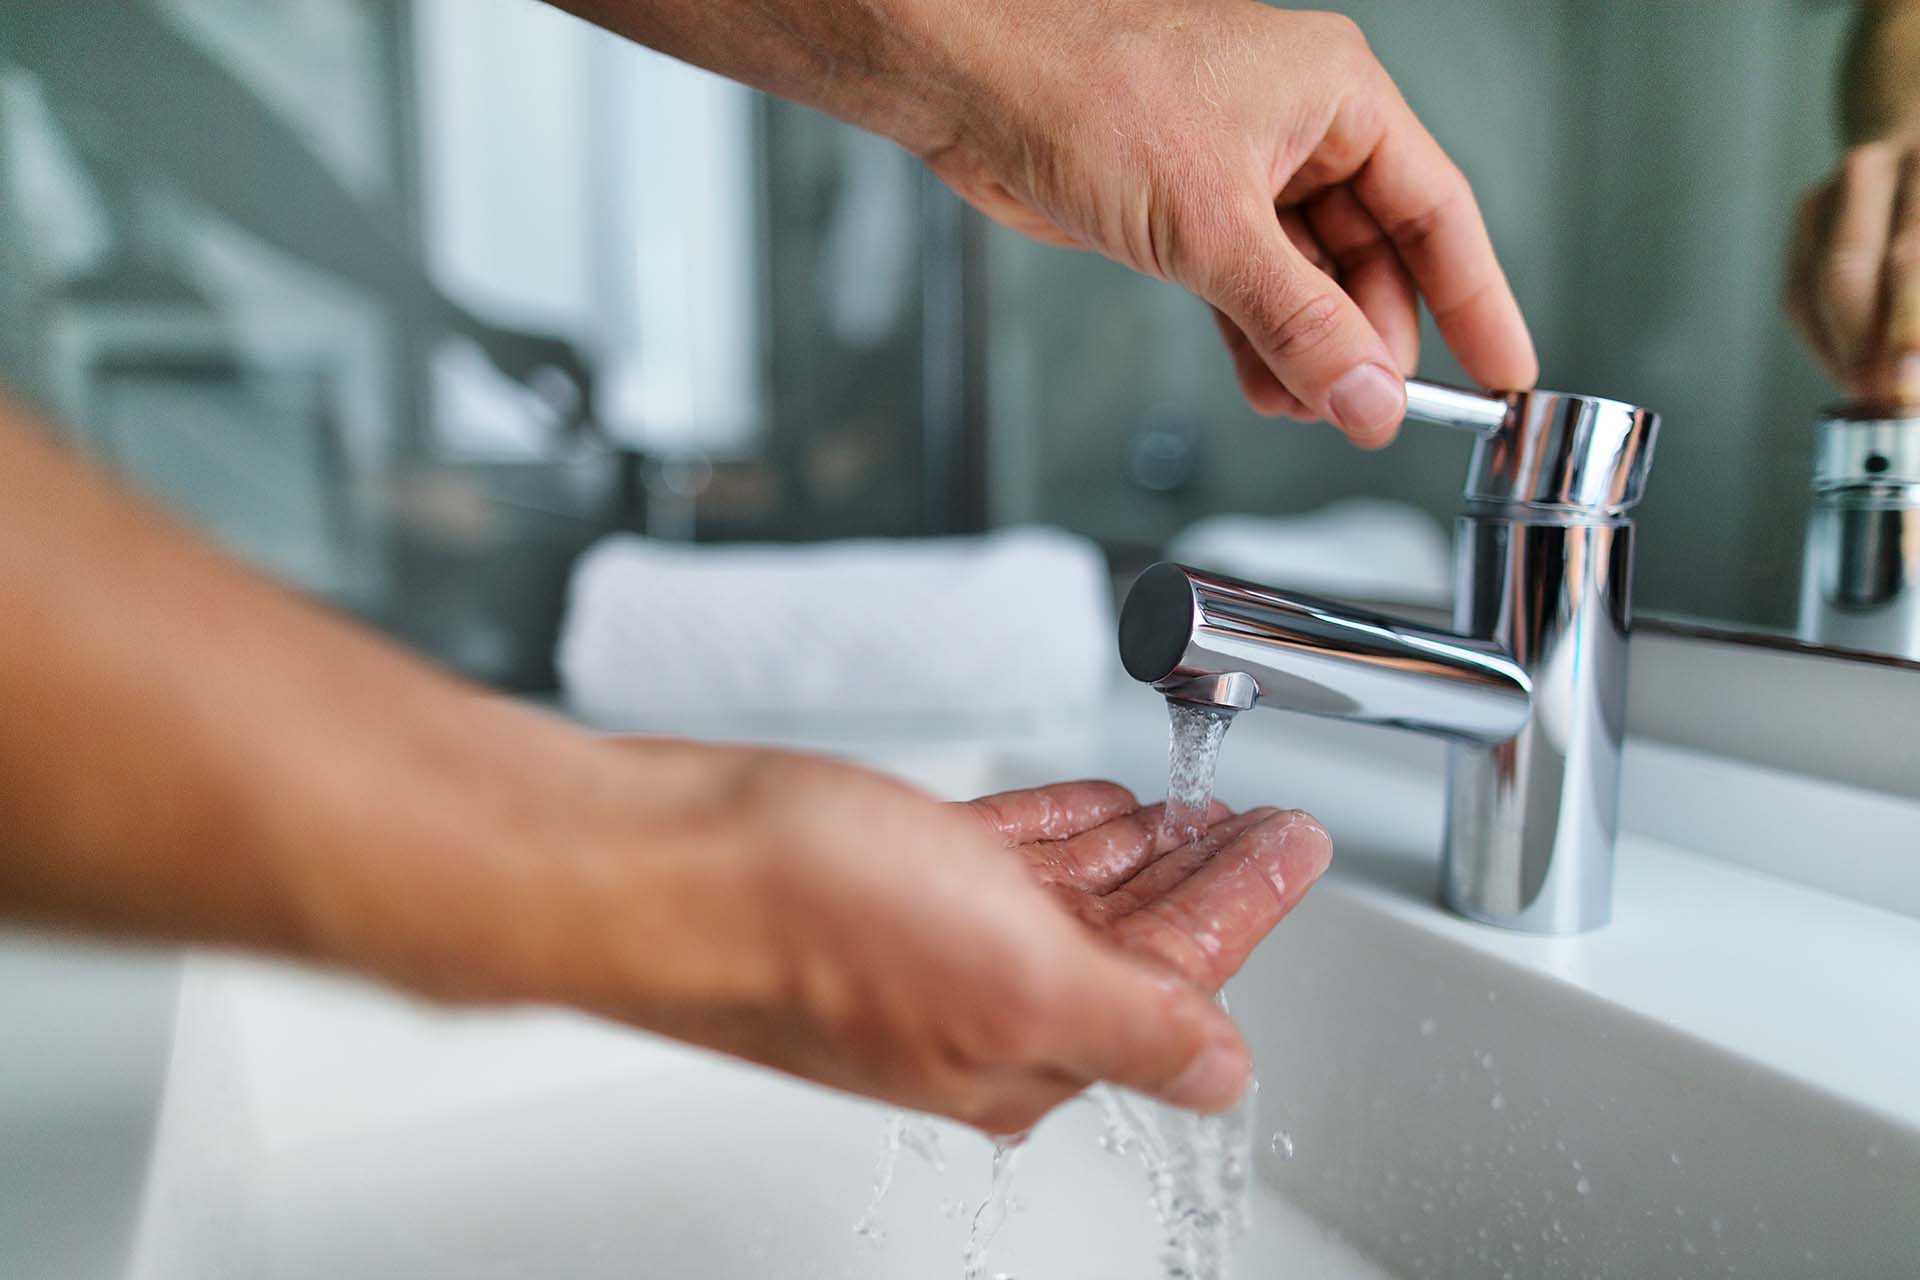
1483, 415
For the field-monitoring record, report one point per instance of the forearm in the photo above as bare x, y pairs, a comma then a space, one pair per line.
189, 753
902, 68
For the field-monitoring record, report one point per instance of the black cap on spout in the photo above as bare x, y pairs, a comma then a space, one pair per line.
1156, 623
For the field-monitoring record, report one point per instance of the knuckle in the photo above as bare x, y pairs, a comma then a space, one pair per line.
1415, 230
1302, 325
1340, 31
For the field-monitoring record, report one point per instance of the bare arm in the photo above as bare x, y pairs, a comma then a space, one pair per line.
1260, 157
189, 753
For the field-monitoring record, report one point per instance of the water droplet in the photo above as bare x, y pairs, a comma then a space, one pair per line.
1560, 1144
1716, 1226
1675, 1157
1873, 1151
1583, 1186
1426, 1206
1486, 1060
1689, 1248
1498, 1102
1283, 1144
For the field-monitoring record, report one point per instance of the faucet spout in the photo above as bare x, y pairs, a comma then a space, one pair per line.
1202, 637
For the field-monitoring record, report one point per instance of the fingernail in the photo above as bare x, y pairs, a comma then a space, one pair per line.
1213, 1081
1368, 401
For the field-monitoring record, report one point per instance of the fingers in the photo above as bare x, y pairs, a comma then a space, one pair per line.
1257, 383
1903, 289
1149, 1031
1422, 201
1305, 329
1057, 812
1103, 858
1848, 289
1205, 926
1366, 263
1164, 873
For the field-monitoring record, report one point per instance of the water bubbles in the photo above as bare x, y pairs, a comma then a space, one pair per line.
1282, 1144
1716, 1226
1674, 1156
1486, 1060
1426, 1028
1498, 1102
1873, 1151
1193, 755
1583, 1186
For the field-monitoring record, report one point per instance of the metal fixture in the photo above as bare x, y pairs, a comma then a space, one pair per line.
1529, 688
1860, 576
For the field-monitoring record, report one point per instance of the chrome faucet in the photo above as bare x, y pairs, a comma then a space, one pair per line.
1529, 690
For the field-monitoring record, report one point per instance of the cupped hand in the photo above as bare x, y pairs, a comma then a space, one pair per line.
1853, 273
984, 961
1260, 157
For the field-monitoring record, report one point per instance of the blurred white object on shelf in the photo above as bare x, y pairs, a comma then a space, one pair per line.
1010, 627
1356, 549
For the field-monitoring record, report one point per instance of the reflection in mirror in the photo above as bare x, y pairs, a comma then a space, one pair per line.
1644, 167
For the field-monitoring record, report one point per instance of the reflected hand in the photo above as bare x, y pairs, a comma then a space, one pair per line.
1853, 274
984, 961
1263, 159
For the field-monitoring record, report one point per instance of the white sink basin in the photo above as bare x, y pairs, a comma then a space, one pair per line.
1724, 1082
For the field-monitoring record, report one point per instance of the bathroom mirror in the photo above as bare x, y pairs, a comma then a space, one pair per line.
795, 333
1640, 165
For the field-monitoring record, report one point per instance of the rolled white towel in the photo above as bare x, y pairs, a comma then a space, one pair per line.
1014, 625
1370, 549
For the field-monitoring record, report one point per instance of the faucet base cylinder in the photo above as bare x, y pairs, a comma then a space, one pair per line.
1531, 821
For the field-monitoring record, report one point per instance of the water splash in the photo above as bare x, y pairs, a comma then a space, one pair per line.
901, 1130
992, 1214
1197, 1175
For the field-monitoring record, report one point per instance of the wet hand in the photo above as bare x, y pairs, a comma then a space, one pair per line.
1263, 159
984, 961
1853, 273
1195, 909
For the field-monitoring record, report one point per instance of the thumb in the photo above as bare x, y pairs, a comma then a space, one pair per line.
1149, 1031
1306, 329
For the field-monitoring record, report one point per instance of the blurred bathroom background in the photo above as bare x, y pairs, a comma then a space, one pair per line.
409, 301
